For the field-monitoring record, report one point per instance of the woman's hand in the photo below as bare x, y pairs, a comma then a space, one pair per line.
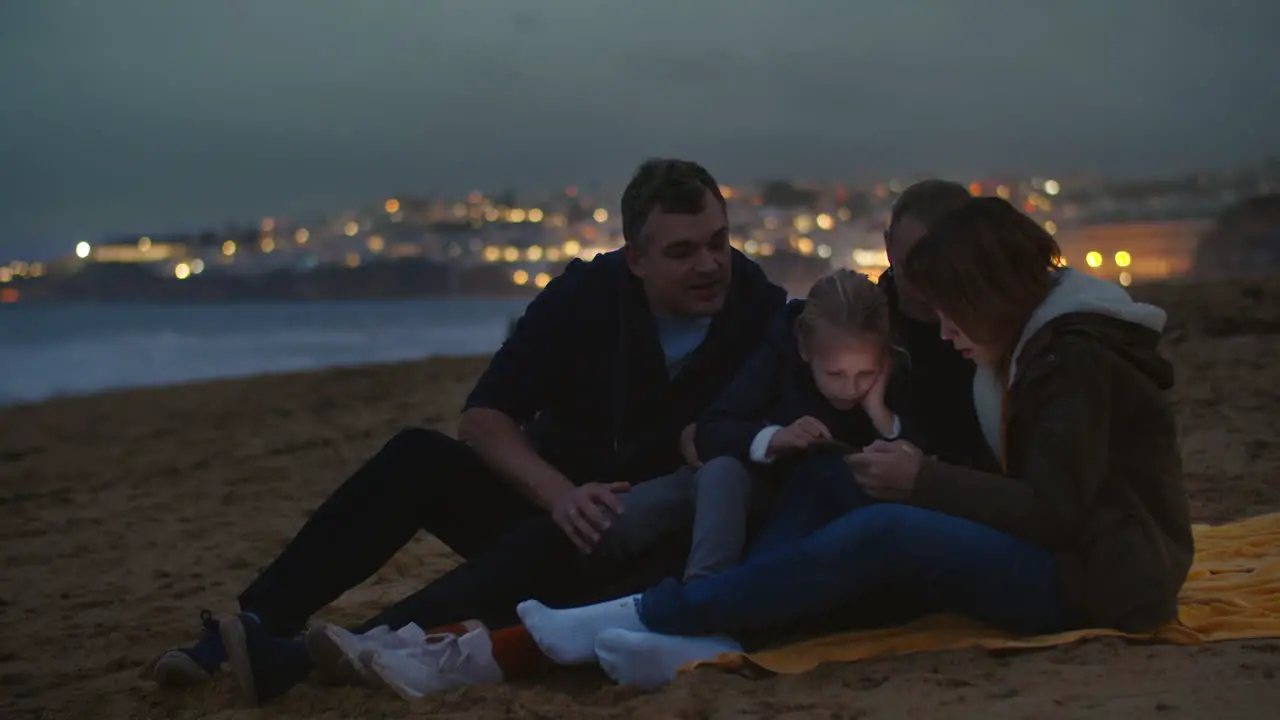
887, 470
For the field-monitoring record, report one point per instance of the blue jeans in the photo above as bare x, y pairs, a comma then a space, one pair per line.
941, 563
818, 490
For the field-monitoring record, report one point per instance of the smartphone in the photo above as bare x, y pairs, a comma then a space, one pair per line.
834, 445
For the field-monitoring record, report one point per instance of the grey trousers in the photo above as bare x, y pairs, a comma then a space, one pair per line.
717, 499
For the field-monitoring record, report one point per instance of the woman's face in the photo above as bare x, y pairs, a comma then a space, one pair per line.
983, 355
844, 366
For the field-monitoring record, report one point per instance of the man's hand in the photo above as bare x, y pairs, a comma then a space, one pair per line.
887, 470
586, 511
687, 448
799, 435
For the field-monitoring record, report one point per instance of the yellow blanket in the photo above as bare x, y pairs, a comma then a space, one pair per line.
1232, 593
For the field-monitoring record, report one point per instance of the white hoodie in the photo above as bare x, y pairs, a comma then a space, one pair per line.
1073, 292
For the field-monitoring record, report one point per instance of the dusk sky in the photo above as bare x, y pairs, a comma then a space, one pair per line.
132, 116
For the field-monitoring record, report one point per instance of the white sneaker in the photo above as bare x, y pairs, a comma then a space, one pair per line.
336, 651
440, 662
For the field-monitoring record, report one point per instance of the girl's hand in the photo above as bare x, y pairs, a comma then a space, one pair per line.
874, 404
799, 435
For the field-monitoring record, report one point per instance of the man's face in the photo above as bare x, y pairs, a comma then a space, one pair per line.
684, 260
898, 241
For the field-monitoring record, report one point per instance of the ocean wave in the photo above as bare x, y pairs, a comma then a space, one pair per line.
75, 362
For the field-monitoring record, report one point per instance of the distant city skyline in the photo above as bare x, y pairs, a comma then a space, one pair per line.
147, 116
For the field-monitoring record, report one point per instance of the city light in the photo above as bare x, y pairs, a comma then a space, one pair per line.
351, 228
600, 215
802, 223
229, 248
535, 215
1002, 192
517, 215
1093, 259
520, 277
492, 253
751, 247
511, 253
804, 245
541, 280
37, 269
1123, 259
268, 244
182, 271
268, 224
301, 236
5, 274
83, 249
845, 214
1051, 187
144, 244
870, 258
534, 253
392, 206
1126, 279
376, 244
1051, 227
825, 221
197, 266
572, 247
975, 189
824, 251
353, 259
766, 249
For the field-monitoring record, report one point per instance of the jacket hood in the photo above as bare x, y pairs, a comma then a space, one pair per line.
1081, 303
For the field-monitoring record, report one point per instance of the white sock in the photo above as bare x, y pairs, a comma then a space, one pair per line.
649, 661
568, 636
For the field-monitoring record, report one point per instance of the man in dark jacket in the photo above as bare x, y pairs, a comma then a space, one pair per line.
940, 380
597, 388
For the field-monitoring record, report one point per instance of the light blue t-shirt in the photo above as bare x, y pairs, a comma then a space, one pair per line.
679, 338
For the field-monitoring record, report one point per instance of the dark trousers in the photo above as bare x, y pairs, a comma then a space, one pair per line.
425, 480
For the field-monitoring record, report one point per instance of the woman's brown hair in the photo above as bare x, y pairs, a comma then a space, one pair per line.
845, 300
987, 267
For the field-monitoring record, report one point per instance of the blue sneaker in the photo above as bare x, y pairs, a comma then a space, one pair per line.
265, 666
184, 667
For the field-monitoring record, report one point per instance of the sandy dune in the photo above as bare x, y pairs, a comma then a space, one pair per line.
122, 515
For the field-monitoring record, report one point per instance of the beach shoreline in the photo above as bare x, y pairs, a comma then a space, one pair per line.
128, 511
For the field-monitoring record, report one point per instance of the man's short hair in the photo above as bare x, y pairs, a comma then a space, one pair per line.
927, 201
675, 186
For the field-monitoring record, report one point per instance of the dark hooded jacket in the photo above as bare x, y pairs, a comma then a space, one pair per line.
941, 382
1090, 446
584, 372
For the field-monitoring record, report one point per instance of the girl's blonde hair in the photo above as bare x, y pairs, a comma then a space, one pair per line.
845, 300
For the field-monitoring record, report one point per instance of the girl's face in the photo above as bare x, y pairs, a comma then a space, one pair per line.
983, 355
844, 366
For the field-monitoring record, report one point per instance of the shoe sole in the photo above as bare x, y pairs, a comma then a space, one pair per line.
176, 669
234, 640
377, 679
331, 658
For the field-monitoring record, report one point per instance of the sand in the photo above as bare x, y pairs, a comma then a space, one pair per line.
122, 515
